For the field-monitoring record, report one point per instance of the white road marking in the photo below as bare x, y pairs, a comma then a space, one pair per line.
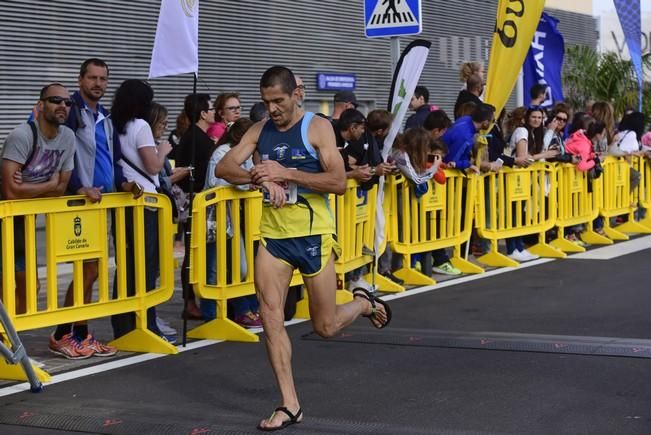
616, 250
604, 253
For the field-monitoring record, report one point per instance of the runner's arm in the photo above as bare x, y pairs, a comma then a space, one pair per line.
229, 168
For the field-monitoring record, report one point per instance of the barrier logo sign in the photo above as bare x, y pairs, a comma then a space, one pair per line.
392, 18
77, 226
362, 203
77, 233
519, 186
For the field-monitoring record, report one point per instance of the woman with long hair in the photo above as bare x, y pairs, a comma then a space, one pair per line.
604, 112
527, 140
142, 160
410, 154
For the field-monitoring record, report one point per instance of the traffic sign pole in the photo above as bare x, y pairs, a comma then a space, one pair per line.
395, 52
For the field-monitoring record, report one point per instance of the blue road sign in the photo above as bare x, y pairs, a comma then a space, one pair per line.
335, 81
392, 18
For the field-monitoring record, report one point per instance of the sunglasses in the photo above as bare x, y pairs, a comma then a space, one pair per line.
233, 108
558, 118
58, 100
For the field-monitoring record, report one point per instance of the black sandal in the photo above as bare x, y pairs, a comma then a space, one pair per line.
363, 293
293, 419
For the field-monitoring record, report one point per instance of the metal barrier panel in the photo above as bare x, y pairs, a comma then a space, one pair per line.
440, 218
578, 203
77, 231
517, 202
237, 216
643, 165
620, 197
355, 222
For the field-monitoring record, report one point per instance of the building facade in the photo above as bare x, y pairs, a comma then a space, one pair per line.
42, 42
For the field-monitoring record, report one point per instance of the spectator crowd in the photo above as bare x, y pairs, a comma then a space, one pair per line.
73, 145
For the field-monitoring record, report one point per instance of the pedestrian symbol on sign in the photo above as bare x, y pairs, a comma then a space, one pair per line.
392, 17
391, 13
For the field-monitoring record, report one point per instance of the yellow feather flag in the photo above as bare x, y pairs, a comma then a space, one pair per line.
515, 26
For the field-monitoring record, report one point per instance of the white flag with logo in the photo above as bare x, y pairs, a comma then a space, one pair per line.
176, 47
405, 79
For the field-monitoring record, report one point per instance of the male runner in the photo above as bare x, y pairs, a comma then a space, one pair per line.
298, 148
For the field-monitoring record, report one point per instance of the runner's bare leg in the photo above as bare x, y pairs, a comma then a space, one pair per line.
327, 317
272, 278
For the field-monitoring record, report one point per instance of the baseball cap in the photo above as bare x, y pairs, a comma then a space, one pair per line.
346, 97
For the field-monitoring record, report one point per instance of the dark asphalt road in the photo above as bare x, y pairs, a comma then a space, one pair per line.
389, 381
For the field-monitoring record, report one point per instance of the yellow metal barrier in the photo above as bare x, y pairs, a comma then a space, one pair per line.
77, 231
643, 165
243, 209
578, 203
619, 199
440, 218
519, 202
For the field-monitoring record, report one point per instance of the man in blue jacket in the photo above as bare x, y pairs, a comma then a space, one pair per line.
92, 176
461, 137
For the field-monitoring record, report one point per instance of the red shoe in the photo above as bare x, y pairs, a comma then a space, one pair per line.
249, 320
98, 348
68, 347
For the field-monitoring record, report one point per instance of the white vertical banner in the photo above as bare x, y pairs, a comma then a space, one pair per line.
176, 47
405, 79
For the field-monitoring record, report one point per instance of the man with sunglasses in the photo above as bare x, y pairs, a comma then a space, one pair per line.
37, 159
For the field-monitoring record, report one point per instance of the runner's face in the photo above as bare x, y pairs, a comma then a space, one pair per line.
280, 105
92, 85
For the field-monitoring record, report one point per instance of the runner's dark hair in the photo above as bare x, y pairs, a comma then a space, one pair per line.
279, 75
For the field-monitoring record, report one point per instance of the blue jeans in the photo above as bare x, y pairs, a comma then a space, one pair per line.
126, 322
514, 243
439, 257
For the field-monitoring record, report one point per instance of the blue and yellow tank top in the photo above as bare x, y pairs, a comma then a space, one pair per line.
311, 214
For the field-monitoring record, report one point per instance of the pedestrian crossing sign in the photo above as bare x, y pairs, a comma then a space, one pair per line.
392, 18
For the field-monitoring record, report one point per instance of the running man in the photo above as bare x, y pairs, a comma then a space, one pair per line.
296, 149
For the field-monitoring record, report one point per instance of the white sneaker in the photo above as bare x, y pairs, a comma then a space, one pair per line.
528, 255
361, 283
517, 256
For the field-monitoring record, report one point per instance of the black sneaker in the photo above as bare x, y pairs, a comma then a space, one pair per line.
393, 278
